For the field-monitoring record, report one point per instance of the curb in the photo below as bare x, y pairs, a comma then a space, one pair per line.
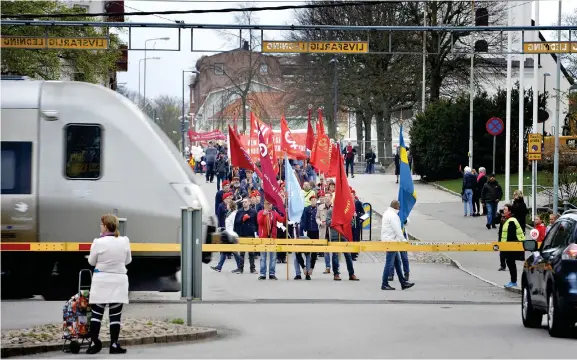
458, 265
21, 350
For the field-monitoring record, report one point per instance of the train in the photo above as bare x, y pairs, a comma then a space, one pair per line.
71, 152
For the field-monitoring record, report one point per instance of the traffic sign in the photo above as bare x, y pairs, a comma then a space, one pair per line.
495, 126
534, 147
26, 42
332, 47
549, 47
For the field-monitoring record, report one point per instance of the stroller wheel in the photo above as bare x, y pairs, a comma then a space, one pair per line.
74, 347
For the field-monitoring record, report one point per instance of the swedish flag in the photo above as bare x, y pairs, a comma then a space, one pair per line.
407, 194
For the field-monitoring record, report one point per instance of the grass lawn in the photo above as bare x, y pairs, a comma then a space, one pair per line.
543, 179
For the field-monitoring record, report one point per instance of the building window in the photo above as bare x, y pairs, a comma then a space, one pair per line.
219, 69
16, 168
263, 69
83, 149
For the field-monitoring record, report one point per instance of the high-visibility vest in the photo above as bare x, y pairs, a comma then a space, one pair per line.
518, 230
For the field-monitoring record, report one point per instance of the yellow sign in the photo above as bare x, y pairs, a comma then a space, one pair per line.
549, 47
24, 42
534, 147
332, 47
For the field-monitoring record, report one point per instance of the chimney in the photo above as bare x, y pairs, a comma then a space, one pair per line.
245, 45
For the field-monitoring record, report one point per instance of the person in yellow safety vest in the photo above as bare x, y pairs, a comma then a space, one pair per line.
511, 231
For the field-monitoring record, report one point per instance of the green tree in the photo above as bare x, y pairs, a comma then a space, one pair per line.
440, 136
93, 65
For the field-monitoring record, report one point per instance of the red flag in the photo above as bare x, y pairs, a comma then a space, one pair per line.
238, 155
322, 152
334, 160
288, 144
310, 133
269, 182
344, 206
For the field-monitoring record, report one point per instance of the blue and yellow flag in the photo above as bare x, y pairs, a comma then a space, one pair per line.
407, 194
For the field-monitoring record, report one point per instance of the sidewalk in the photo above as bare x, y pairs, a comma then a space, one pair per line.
438, 217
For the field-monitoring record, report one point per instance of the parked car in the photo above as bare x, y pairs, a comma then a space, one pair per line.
549, 280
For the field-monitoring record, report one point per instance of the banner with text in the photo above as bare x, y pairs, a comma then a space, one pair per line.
251, 146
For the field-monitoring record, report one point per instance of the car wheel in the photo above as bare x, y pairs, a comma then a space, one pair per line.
557, 323
531, 317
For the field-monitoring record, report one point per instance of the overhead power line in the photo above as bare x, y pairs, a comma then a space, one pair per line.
205, 11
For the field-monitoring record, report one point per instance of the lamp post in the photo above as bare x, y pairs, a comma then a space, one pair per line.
139, 65
545, 75
183, 118
335, 89
145, 46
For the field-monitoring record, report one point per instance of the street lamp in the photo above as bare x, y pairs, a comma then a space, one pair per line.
145, 45
545, 75
139, 64
182, 129
335, 88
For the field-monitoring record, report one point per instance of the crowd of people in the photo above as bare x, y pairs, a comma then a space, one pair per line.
240, 207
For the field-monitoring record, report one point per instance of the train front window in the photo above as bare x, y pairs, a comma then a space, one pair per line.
16, 168
83, 147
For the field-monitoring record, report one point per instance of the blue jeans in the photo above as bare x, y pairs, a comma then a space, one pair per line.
491, 211
271, 265
307, 264
327, 260
469, 201
219, 180
223, 259
405, 261
392, 261
348, 260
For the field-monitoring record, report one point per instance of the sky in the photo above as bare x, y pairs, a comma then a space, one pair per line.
164, 76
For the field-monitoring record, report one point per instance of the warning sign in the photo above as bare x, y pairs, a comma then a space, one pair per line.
24, 42
534, 147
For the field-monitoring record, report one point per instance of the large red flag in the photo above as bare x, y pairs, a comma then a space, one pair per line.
320, 158
288, 144
310, 133
238, 155
334, 160
269, 182
344, 206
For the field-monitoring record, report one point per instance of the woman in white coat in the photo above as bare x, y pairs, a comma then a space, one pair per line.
109, 254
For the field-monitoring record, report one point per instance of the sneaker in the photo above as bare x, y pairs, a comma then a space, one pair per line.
511, 284
215, 268
298, 277
327, 271
488, 226
407, 285
308, 277
262, 277
253, 271
116, 349
272, 277
501, 269
387, 287
237, 271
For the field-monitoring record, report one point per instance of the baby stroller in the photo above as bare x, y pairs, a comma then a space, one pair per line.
76, 315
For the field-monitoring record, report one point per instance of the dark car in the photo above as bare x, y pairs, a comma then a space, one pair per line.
549, 280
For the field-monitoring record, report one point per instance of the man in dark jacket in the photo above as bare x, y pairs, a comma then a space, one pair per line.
370, 158
221, 170
490, 197
210, 154
469, 184
218, 197
222, 209
349, 152
309, 224
245, 225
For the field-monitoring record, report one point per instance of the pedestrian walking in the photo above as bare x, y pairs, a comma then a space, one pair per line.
245, 225
267, 220
511, 231
210, 155
334, 236
350, 152
109, 254
397, 165
370, 158
391, 231
229, 228
481, 181
469, 183
490, 196
310, 226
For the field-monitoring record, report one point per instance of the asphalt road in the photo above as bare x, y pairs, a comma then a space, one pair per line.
355, 331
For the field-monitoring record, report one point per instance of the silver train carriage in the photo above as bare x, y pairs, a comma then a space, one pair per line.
71, 152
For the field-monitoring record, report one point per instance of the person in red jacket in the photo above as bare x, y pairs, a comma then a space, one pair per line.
541, 227
267, 219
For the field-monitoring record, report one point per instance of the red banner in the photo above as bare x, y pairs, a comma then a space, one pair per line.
206, 136
251, 145
288, 143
